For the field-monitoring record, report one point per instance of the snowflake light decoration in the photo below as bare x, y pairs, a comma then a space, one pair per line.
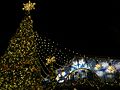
29, 6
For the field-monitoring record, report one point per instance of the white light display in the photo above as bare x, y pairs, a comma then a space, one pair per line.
117, 66
79, 66
100, 73
61, 76
104, 64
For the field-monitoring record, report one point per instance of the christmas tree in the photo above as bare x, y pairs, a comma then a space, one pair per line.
19, 66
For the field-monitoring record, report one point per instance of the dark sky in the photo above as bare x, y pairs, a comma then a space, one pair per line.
89, 27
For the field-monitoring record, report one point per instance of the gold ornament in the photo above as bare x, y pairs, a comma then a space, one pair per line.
29, 6
111, 69
98, 66
50, 60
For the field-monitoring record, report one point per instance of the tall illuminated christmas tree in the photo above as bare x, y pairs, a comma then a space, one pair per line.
19, 66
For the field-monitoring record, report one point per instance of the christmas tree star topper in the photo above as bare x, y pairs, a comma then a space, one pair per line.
29, 6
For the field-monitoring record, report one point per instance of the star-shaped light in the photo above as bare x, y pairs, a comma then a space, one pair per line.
111, 69
50, 60
98, 66
29, 6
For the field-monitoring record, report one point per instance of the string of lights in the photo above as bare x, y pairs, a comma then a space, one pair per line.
19, 65
28, 55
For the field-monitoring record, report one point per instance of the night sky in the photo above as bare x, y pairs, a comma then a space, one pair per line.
91, 28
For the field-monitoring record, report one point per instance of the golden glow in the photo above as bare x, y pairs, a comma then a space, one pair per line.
50, 60
98, 66
29, 6
111, 69
20, 63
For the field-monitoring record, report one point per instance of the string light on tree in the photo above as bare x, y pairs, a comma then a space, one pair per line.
20, 63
